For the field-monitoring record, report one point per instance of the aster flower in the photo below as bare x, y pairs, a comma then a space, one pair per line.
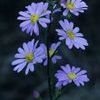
72, 35
28, 56
35, 14
52, 51
69, 74
73, 6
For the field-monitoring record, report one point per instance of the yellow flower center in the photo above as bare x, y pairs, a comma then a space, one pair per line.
34, 18
29, 57
70, 6
70, 34
71, 76
51, 52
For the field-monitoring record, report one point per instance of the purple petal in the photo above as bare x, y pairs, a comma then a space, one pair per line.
19, 67
66, 69
24, 14
36, 29
55, 58
18, 61
23, 24
43, 24
30, 67
19, 56
81, 72
45, 20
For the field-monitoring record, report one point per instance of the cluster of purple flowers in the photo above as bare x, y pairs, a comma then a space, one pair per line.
31, 53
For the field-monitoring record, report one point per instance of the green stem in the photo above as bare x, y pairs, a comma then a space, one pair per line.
49, 73
49, 82
48, 67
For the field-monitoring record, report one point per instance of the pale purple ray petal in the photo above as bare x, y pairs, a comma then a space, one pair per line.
24, 14
30, 67
18, 61
71, 45
76, 70
45, 20
30, 9
34, 7
40, 8
62, 33
68, 41
59, 85
19, 67
81, 72
65, 82
83, 78
63, 25
79, 34
55, 58
45, 62
36, 29
23, 18
19, 56
65, 13
20, 50
61, 76
45, 13
75, 30
43, 24
66, 69
76, 82
23, 24
26, 49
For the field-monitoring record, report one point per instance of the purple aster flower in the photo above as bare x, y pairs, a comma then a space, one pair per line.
28, 56
36, 14
72, 35
73, 6
52, 50
68, 75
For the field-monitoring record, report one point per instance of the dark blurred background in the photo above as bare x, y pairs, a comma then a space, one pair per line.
15, 86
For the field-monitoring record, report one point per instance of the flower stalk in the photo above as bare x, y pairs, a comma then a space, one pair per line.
49, 73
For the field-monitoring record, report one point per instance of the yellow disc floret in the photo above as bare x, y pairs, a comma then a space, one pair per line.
70, 34
34, 18
70, 6
29, 57
71, 76
51, 52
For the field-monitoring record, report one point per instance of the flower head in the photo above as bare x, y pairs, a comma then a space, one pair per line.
36, 13
73, 6
72, 35
69, 74
52, 51
27, 56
